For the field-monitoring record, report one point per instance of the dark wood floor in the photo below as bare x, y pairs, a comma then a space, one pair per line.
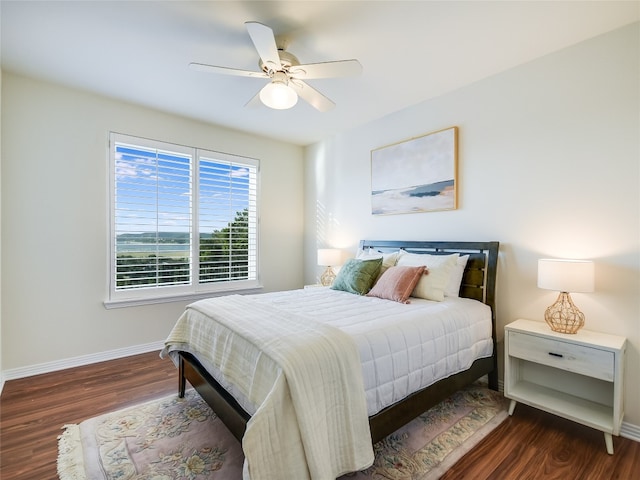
529, 445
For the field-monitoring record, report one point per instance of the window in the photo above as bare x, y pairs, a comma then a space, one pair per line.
183, 220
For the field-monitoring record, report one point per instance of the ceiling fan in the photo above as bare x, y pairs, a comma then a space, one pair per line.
287, 76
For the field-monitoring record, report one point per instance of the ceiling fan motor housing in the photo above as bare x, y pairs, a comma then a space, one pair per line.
287, 60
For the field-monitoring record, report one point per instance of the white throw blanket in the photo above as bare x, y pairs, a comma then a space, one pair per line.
313, 421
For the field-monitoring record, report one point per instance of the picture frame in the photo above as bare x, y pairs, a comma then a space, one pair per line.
416, 175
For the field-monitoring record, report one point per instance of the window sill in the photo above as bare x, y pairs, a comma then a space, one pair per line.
190, 297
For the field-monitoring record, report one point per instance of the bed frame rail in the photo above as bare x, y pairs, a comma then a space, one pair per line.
221, 402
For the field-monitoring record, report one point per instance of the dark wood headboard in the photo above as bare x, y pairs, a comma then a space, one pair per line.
479, 279
478, 283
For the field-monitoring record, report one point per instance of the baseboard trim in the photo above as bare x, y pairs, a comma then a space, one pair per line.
22, 372
630, 431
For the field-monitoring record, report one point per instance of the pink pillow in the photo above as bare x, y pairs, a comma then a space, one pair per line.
397, 283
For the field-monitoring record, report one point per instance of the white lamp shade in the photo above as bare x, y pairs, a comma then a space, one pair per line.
329, 257
278, 95
564, 275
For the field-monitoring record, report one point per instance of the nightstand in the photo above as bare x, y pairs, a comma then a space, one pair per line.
575, 376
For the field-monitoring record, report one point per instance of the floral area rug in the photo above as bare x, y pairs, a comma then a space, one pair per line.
182, 439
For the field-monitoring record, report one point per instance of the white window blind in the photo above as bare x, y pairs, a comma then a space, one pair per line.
227, 190
183, 220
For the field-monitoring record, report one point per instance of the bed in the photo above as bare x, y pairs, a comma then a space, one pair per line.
477, 284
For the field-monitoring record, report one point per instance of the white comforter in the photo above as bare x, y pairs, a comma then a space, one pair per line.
403, 348
305, 377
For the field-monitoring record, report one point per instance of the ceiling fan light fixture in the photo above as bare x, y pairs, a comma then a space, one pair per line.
278, 94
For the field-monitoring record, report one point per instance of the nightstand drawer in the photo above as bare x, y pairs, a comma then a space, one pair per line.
571, 357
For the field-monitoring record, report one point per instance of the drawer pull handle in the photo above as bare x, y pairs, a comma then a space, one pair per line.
559, 355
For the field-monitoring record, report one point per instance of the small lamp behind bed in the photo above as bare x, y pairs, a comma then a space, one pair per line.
328, 257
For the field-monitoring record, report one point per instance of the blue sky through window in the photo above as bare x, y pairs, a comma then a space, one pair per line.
154, 191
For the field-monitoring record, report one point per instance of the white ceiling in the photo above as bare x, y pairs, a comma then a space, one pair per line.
410, 51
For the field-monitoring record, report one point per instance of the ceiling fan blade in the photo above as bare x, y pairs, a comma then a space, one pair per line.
265, 43
340, 68
226, 71
311, 95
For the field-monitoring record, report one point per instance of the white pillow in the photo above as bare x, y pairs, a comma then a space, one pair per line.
388, 259
431, 286
453, 287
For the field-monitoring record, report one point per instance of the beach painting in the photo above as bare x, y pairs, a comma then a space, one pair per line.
415, 175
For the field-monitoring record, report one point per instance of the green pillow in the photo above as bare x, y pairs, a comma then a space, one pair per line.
357, 276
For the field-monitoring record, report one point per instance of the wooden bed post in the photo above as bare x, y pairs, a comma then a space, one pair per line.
182, 380
490, 289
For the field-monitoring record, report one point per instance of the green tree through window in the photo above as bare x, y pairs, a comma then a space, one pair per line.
225, 254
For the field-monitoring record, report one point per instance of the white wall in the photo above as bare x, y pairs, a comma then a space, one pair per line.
548, 165
1, 374
55, 219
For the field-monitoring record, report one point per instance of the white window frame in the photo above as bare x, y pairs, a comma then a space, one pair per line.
196, 289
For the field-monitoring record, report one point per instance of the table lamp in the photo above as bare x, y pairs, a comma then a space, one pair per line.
565, 276
328, 257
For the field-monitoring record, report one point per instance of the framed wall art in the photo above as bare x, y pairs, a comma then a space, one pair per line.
416, 175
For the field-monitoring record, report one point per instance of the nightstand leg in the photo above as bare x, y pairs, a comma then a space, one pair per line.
608, 440
512, 407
